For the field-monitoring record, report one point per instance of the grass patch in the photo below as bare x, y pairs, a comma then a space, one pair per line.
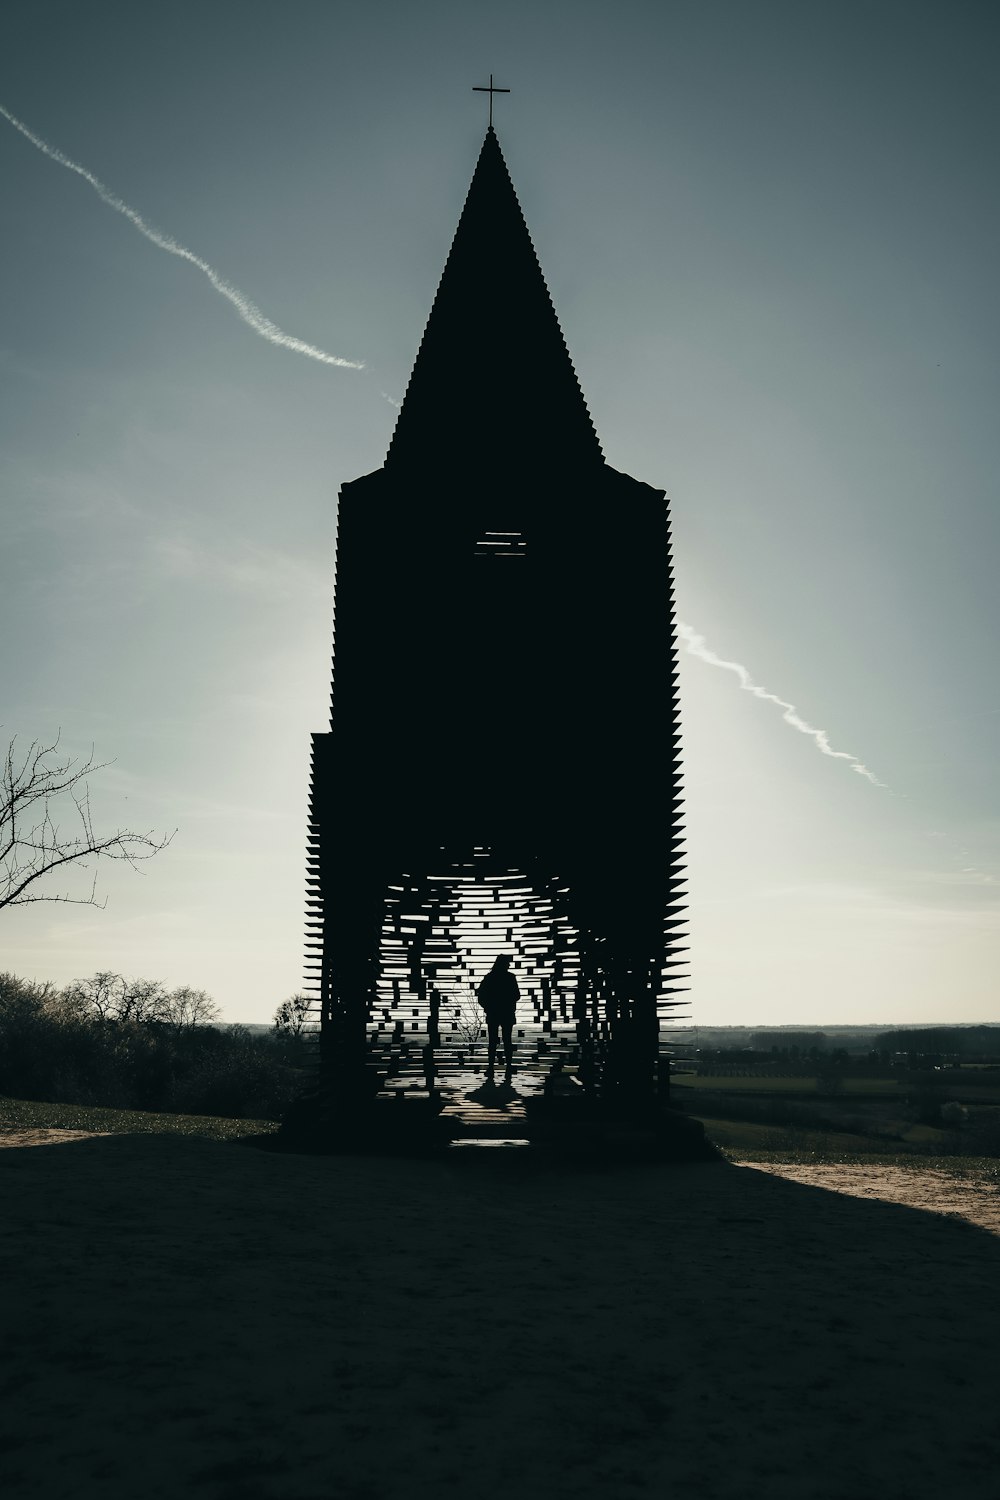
31, 1114
872, 1088
743, 1085
923, 1137
950, 1084
744, 1136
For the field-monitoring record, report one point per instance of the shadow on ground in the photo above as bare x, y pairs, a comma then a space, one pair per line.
190, 1318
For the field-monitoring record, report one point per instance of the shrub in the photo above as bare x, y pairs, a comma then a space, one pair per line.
124, 1045
234, 1073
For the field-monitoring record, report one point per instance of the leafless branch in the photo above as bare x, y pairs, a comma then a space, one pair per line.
32, 844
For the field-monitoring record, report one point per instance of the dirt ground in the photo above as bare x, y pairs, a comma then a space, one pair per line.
934, 1192
185, 1318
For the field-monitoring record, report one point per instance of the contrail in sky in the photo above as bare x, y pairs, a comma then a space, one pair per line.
697, 646
250, 314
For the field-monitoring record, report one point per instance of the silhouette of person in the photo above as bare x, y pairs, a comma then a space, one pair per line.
498, 996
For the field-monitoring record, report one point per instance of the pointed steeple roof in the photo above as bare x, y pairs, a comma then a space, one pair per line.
493, 386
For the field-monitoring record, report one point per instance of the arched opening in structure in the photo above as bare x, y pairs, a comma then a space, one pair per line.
441, 933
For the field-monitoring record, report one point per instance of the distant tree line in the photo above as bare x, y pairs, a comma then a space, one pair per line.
978, 1043
794, 1061
791, 1042
134, 1044
909, 1048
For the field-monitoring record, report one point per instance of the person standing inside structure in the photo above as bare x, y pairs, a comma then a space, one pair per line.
498, 996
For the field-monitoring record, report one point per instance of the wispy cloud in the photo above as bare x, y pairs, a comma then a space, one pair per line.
697, 646
246, 309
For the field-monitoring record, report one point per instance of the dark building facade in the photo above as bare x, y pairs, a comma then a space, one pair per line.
501, 769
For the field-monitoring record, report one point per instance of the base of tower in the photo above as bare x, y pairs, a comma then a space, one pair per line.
576, 1131
580, 1130
369, 1127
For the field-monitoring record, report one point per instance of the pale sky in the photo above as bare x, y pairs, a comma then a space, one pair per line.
770, 233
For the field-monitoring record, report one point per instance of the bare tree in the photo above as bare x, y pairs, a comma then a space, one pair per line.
99, 996
186, 1008
469, 1018
31, 994
144, 1000
32, 844
292, 1017
112, 997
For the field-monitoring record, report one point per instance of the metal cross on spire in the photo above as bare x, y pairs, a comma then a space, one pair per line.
480, 88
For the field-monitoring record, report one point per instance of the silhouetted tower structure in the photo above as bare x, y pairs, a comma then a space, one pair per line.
501, 771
